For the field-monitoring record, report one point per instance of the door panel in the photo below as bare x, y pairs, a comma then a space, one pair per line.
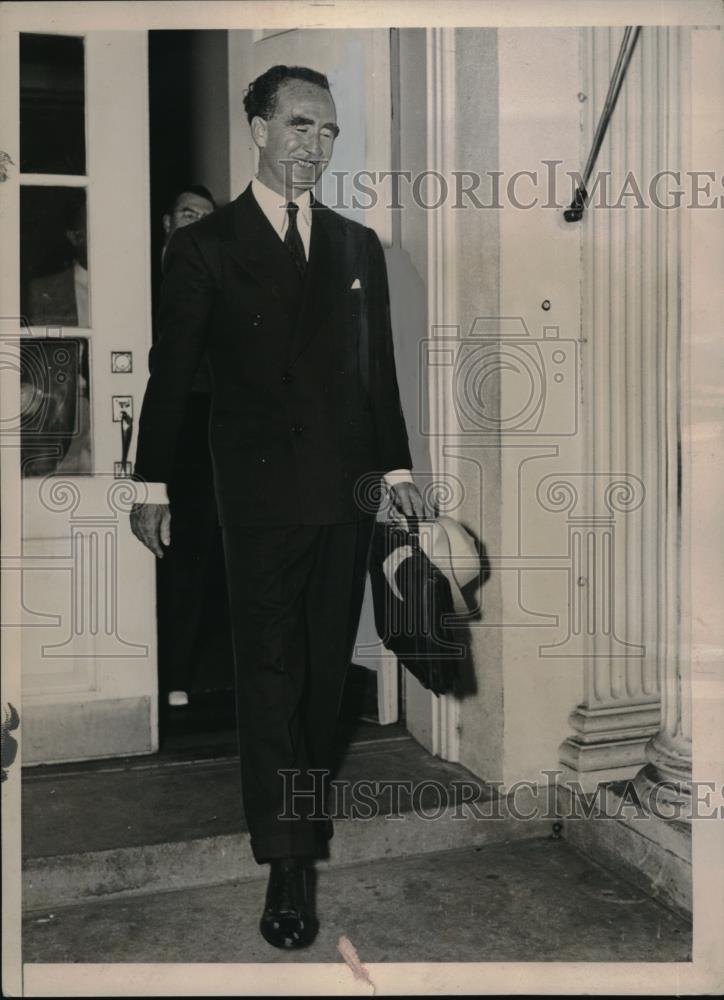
79, 216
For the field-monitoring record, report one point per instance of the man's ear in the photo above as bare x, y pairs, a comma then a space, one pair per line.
166, 224
259, 130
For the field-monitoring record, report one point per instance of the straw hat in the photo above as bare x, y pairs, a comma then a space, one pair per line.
449, 547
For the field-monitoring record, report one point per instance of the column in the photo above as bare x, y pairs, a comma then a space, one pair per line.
630, 377
668, 767
618, 715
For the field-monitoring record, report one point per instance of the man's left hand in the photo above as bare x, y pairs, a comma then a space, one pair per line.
407, 499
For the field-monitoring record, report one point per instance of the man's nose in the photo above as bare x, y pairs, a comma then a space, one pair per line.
313, 146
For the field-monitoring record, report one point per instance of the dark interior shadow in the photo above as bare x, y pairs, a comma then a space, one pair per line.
359, 703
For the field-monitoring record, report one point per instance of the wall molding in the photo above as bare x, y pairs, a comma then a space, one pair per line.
442, 301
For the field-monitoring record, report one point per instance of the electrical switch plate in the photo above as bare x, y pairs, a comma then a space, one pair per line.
122, 404
122, 470
121, 361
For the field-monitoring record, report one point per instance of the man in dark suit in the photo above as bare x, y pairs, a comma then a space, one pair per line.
190, 561
290, 300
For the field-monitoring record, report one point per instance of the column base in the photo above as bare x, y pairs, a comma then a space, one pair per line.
589, 781
664, 783
612, 758
610, 742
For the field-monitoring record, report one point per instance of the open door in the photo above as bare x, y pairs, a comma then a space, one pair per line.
75, 225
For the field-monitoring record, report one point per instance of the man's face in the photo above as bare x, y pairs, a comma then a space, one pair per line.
188, 208
295, 144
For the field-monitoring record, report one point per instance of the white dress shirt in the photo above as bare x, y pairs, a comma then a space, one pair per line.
274, 208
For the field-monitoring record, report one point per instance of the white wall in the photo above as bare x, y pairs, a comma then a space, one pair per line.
539, 79
702, 438
478, 248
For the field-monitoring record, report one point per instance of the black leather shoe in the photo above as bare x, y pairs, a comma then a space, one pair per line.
288, 920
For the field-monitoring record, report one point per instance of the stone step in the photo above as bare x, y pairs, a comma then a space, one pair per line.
533, 901
149, 826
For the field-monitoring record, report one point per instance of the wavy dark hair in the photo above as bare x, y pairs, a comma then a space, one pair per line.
261, 95
197, 189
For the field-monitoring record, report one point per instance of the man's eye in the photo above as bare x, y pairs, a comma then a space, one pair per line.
302, 128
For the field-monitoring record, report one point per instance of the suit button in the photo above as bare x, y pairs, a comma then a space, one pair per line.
297, 428
257, 321
287, 378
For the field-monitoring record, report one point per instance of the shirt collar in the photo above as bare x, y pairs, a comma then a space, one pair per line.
274, 207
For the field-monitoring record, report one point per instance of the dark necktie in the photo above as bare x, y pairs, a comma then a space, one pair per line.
292, 239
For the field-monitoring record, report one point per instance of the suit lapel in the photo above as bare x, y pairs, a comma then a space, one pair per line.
254, 245
327, 271
257, 249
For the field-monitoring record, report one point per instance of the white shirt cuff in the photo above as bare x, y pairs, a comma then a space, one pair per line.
398, 476
157, 492
151, 493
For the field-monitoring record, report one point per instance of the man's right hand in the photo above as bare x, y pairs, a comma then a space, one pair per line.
151, 523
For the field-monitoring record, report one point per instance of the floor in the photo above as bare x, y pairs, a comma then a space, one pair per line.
534, 899
186, 793
531, 900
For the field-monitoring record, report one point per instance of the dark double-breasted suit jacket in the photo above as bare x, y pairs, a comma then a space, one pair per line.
306, 409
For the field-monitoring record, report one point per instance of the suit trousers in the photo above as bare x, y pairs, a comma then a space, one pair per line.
295, 597
183, 575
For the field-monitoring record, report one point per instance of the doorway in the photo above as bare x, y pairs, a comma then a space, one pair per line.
190, 123
195, 660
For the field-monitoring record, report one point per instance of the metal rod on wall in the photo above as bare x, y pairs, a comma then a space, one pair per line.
630, 36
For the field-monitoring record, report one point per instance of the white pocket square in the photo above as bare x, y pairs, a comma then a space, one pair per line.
355, 284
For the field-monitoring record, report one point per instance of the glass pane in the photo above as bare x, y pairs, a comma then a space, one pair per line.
54, 285
52, 104
55, 431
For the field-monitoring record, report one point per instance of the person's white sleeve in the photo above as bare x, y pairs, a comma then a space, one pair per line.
398, 476
157, 492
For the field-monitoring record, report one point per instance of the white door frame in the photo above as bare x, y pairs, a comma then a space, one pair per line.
86, 608
442, 310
